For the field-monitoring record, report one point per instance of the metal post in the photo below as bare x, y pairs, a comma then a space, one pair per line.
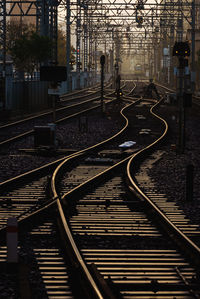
54, 108
53, 30
44, 19
12, 240
181, 107
171, 77
95, 58
193, 75
102, 77
111, 63
102, 61
154, 59
116, 73
68, 46
189, 182
90, 49
85, 38
3, 42
78, 42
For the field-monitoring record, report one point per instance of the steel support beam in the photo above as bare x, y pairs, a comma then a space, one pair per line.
68, 45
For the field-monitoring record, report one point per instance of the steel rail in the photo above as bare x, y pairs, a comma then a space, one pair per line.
58, 169
192, 250
172, 90
52, 202
75, 192
30, 132
75, 252
46, 112
29, 174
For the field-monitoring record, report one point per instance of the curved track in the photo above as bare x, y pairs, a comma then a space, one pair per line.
20, 203
104, 219
113, 248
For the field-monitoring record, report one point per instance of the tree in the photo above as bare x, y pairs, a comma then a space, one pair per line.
62, 49
16, 29
27, 48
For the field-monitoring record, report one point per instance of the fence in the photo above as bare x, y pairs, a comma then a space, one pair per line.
32, 95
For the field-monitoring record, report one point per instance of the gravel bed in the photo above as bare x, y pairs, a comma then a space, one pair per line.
170, 171
69, 136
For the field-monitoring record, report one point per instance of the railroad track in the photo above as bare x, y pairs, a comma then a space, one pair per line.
112, 230
65, 97
120, 241
28, 196
195, 99
171, 209
24, 128
20, 203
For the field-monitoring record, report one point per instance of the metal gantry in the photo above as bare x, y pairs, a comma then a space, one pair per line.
45, 12
143, 25
3, 35
98, 22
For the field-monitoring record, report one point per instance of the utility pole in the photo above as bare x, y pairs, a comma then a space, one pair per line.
181, 141
90, 51
181, 50
3, 42
171, 71
78, 42
95, 57
85, 37
193, 75
102, 61
53, 29
68, 46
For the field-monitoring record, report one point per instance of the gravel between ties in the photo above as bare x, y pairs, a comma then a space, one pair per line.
170, 171
14, 162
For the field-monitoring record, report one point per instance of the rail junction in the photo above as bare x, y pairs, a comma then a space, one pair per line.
93, 217
95, 133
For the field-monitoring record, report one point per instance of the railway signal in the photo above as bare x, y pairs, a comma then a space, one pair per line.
139, 20
118, 91
181, 49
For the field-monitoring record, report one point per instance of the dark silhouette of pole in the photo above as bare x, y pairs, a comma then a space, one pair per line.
68, 45
193, 47
102, 61
189, 182
182, 51
181, 107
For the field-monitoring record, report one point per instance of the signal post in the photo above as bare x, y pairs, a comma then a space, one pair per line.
102, 61
184, 97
